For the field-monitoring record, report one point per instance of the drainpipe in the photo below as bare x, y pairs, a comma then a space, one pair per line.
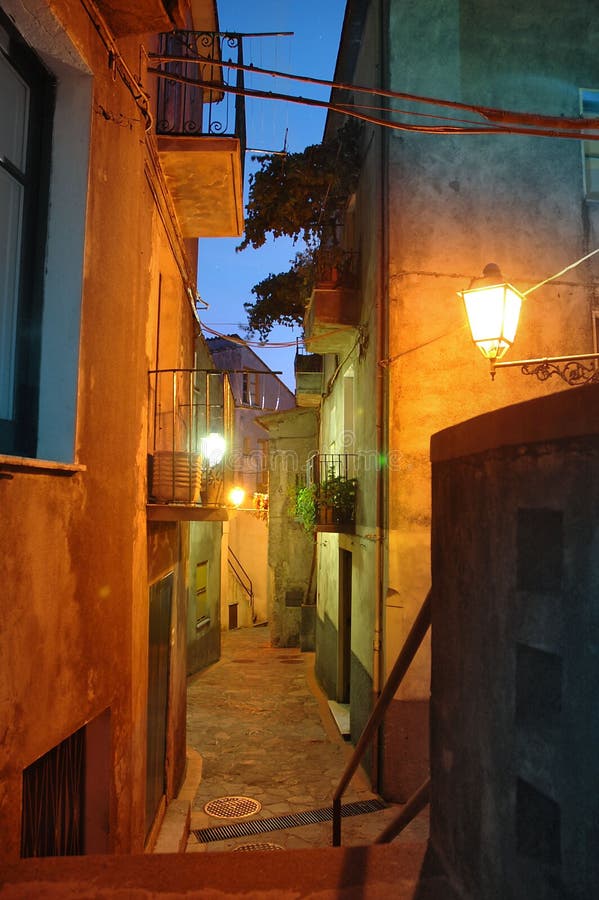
382, 403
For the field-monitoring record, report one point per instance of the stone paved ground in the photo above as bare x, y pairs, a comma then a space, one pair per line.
263, 729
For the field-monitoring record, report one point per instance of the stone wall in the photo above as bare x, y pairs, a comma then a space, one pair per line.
514, 724
293, 438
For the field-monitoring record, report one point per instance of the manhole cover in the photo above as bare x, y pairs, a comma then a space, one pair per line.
258, 847
232, 807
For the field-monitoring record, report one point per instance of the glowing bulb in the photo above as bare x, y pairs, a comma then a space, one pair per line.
213, 448
493, 310
237, 496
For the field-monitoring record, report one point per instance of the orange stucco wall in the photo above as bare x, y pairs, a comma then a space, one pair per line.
73, 542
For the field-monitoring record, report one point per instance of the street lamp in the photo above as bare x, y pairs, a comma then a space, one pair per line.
493, 310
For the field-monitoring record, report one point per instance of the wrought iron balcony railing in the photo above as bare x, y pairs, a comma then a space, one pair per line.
187, 109
189, 429
333, 478
336, 267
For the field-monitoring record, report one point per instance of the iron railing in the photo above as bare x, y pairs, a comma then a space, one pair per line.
243, 580
420, 798
335, 266
333, 477
185, 108
189, 425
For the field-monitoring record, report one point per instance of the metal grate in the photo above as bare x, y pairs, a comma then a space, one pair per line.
257, 847
278, 823
232, 807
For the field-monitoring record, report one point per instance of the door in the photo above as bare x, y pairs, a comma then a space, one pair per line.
344, 627
158, 674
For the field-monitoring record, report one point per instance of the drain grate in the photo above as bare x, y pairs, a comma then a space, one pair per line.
278, 823
232, 807
257, 847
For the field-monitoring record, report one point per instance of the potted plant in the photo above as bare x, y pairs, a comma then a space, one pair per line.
337, 501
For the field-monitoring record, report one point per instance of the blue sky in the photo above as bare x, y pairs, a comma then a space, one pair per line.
225, 278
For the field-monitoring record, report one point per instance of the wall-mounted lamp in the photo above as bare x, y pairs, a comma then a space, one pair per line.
493, 310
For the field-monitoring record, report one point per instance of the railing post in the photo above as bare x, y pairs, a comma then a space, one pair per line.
336, 821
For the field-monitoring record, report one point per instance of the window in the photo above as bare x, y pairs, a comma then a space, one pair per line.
26, 107
44, 155
53, 822
201, 592
250, 389
589, 105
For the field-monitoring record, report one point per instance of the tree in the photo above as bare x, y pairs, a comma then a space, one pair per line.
301, 195
281, 298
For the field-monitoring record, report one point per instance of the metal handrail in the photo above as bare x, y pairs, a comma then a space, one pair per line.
396, 675
248, 587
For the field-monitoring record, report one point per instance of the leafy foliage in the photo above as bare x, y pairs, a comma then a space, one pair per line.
281, 298
339, 493
299, 195
305, 507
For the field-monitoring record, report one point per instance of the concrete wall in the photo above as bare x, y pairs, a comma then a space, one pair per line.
514, 809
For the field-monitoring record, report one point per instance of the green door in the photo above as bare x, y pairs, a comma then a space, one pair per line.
158, 672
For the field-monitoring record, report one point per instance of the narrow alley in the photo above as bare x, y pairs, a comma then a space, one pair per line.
263, 730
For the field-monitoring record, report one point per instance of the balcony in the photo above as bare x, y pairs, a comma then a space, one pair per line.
331, 477
333, 311
146, 17
308, 379
189, 432
201, 132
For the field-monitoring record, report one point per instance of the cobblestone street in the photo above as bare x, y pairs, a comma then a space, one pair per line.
264, 731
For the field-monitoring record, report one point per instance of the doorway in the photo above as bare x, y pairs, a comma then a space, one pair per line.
158, 676
344, 627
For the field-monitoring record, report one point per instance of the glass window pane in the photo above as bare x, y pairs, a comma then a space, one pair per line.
592, 176
11, 216
590, 102
14, 111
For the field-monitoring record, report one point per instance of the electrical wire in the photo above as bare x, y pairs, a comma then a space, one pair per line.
384, 123
492, 114
562, 272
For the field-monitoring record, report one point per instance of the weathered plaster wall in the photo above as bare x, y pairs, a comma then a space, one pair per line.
457, 203
248, 539
514, 721
293, 438
360, 362
74, 552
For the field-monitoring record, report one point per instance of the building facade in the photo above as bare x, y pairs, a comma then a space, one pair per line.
429, 212
97, 301
255, 391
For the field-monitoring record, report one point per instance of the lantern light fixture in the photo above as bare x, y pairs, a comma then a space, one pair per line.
493, 310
